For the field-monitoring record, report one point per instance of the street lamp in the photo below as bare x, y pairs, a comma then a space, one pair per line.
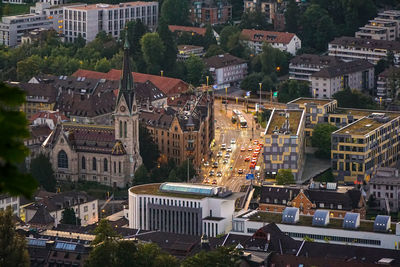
259, 106
162, 73
207, 81
226, 99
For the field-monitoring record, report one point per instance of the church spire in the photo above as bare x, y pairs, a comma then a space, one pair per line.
126, 83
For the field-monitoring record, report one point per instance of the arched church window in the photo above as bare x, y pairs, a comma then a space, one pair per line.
105, 165
83, 163
125, 129
62, 160
120, 129
94, 162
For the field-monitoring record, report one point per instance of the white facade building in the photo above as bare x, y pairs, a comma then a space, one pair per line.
8, 201
352, 48
284, 41
182, 208
358, 74
89, 20
386, 82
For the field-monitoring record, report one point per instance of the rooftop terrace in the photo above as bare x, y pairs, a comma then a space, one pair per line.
278, 119
303, 100
366, 125
306, 220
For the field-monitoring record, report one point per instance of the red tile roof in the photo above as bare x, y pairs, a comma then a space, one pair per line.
268, 36
198, 30
169, 86
45, 114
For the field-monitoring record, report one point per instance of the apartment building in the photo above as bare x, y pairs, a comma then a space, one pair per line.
9, 201
226, 70
203, 12
310, 199
185, 131
359, 148
285, 142
351, 48
357, 74
387, 84
284, 41
41, 16
85, 207
267, 7
390, 15
190, 209
385, 187
185, 51
303, 66
378, 29
89, 20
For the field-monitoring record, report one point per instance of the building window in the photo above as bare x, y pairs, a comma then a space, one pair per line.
83, 163
120, 129
119, 166
94, 167
125, 129
62, 160
105, 165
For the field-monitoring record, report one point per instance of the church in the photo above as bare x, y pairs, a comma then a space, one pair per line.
106, 154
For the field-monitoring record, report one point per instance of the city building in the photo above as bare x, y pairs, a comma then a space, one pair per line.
227, 70
179, 30
303, 66
334, 231
390, 15
212, 12
185, 51
267, 7
386, 85
385, 187
48, 118
284, 41
357, 74
171, 87
106, 154
42, 16
90, 19
53, 204
378, 29
285, 142
182, 208
39, 97
9, 201
352, 48
359, 148
337, 200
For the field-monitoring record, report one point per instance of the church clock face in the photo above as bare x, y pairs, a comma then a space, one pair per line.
122, 108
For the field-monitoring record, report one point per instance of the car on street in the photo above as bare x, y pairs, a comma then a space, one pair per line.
233, 141
219, 174
206, 180
255, 142
223, 146
252, 165
250, 148
206, 164
214, 181
253, 160
227, 156
219, 154
240, 171
229, 149
215, 165
225, 161
211, 173
247, 158
242, 149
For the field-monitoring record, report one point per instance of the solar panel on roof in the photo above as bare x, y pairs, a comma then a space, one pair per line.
320, 218
190, 189
290, 215
37, 242
351, 220
331, 186
65, 246
382, 223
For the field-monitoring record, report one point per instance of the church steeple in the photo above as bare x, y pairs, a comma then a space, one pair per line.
126, 83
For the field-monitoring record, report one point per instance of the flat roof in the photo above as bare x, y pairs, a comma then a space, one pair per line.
278, 118
306, 220
304, 100
365, 125
108, 6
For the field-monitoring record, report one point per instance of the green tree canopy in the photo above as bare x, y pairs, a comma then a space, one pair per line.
148, 149
209, 38
104, 232
42, 171
170, 46
251, 82
103, 65
292, 89
285, 176
254, 20
274, 61
292, 16
13, 130
195, 70
153, 52
13, 252
227, 32
69, 217
141, 175
321, 139
222, 256
354, 99
214, 50
182, 171
175, 12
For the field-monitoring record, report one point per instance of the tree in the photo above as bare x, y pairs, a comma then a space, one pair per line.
13, 252
325, 177
104, 232
209, 38
348, 98
170, 46
225, 34
285, 176
172, 176
292, 89
195, 70
42, 170
103, 65
166, 260
321, 139
153, 52
251, 82
13, 130
175, 12
141, 175
274, 61
222, 256
148, 149
292, 17
29, 67
69, 217
254, 20
182, 171
236, 47
214, 50
80, 41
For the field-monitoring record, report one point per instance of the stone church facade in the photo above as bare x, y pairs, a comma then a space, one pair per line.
106, 154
